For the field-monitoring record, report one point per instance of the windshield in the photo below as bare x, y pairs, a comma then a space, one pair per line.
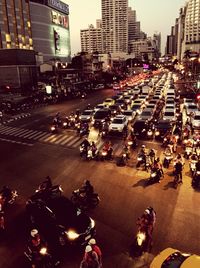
100, 114
197, 117
135, 107
146, 113
117, 121
129, 113
192, 106
169, 114
86, 113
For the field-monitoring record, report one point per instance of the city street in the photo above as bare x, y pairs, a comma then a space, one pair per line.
30, 152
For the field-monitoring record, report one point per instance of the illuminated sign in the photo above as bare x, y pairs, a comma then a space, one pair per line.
59, 19
48, 89
58, 5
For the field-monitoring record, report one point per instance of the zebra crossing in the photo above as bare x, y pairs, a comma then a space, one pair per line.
14, 118
67, 139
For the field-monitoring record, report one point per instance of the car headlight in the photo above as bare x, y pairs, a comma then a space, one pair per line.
72, 235
92, 223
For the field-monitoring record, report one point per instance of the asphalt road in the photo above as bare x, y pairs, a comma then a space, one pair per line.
29, 153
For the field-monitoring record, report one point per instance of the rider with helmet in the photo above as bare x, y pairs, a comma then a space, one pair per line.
87, 189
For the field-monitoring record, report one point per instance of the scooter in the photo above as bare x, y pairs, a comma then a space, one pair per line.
140, 244
154, 176
167, 160
80, 200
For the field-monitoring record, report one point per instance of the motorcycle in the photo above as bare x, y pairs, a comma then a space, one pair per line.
83, 151
196, 179
41, 258
188, 151
106, 154
91, 154
167, 160
154, 176
54, 129
141, 160
193, 166
80, 200
140, 244
84, 131
46, 193
165, 142
176, 181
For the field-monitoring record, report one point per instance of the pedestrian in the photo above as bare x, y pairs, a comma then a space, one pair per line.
96, 248
90, 258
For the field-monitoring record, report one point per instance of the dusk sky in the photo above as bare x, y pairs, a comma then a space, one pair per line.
154, 16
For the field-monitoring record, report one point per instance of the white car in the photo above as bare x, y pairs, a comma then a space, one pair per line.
86, 115
196, 120
169, 115
118, 124
130, 114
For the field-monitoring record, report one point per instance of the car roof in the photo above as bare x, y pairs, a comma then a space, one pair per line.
161, 257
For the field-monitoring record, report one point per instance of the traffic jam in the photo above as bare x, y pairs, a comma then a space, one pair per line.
141, 111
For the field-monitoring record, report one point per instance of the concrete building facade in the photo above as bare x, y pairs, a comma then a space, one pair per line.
115, 25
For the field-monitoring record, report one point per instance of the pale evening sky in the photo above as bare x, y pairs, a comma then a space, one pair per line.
154, 16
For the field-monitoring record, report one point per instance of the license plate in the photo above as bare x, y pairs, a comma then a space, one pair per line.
87, 237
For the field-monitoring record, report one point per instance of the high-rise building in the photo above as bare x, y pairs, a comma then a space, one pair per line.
181, 31
50, 29
91, 38
115, 25
133, 25
15, 25
192, 26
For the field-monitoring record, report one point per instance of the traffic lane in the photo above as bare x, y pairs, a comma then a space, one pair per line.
43, 116
123, 194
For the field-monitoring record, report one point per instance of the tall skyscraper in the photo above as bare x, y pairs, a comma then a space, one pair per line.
192, 26
133, 25
115, 25
15, 25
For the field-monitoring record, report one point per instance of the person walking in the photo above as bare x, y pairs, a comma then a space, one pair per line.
90, 258
96, 248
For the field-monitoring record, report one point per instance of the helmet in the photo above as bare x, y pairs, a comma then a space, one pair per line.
92, 241
34, 232
147, 211
143, 146
88, 248
87, 182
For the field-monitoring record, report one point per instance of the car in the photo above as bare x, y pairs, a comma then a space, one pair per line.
116, 86
86, 116
191, 108
188, 101
138, 126
115, 109
118, 124
146, 114
59, 221
196, 120
173, 258
128, 99
99, 106
108, 102
136, 108
130, 114
101, 116
162, 127
169, 114
170, 101
121, 103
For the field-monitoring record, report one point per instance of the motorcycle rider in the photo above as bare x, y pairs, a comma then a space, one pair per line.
93, 244
46, 184
178, 167
152, 155
87, 189
147, 222
143, 154
94, 149
108, 148
85, 143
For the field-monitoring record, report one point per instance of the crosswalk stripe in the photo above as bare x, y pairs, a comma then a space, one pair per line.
10, 131
26, 132
74, 141
61, 139
118, 149
68, 139
33, 134
28, 135
44, 137
100, 145
4, 129
55, 138
22, 132
39, 135
50, 138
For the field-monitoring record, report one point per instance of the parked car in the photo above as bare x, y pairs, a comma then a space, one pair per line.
59, 221
173, 258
